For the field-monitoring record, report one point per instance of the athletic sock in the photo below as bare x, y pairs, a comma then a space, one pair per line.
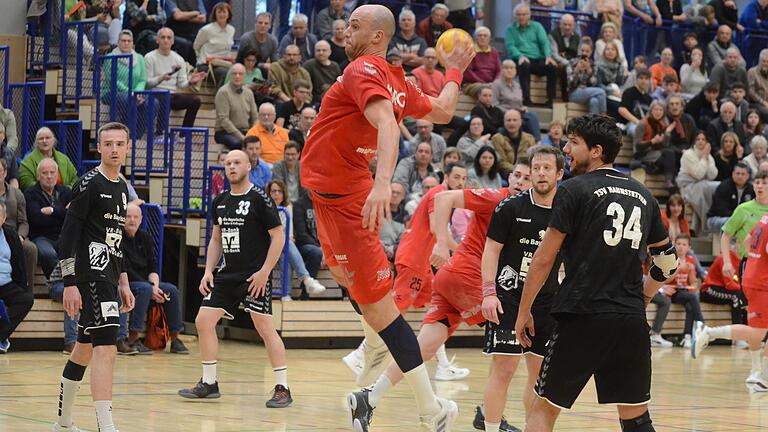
372, 338
70, 384
418, 379
377, 392
209, 372
722, 332
492, 427
281, 376
104, 415
442, 357
756, 356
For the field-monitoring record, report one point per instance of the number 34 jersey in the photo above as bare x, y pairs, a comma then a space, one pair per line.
609, 220
245, 221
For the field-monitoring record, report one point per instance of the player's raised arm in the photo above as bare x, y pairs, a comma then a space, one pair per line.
444, 203
380, 115
455, 62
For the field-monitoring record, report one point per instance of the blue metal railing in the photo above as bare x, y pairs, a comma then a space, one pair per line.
44, 38
113, 95
5, 60
153, 222
27, 101
193, 142
79, 79
151, 136
69, 137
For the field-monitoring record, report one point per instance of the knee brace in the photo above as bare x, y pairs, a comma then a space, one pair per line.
104, 335
638, 424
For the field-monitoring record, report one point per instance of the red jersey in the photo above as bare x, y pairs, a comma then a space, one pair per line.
342, 142
681, 275
469, 254
755, 275
418, 240
715, 275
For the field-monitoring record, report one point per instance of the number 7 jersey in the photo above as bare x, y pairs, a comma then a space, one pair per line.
609, 220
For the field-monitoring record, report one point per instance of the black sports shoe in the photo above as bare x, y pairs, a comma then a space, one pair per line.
361, 409
479, 422
201, 390
178, 347
281, 397
141, 348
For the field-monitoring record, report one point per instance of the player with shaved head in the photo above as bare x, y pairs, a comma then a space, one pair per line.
359, 120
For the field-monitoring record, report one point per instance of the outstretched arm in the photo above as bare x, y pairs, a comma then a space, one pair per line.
455, 63
444, 203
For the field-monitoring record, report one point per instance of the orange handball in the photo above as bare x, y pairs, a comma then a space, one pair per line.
448, 39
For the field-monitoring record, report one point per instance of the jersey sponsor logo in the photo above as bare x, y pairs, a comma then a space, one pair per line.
369, 68
105, 196
98, 256
110, 309
365, 151
504, 337
230, 240
383, 274
398, 98
340, 258
113, 238
523, 220
243, 207
507, 278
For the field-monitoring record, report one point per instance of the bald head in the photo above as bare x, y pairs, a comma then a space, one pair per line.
380, 17
371, 27
237, 155
132, 219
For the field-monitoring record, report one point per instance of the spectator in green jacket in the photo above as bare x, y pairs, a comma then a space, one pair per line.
45, 143
528, 45
130, 77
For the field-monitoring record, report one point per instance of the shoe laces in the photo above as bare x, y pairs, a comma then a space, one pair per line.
280, 392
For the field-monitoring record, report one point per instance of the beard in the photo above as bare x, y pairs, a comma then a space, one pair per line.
237, 180
578, 168
543, 189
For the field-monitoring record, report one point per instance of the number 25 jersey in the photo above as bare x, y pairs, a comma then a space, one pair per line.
609, 220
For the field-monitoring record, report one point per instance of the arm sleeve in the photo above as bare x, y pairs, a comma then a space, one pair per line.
34, 216
564, 208
482, 201
221, 102
541, 37
26, 174
71, 232
140, 77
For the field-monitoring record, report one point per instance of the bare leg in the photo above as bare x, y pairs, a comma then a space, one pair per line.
272, 341
542, 417
82, 354
753, 336
206, 332
533, 364
430, 338
102, 371
503, 368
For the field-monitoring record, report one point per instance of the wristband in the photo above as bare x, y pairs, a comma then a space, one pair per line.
489, 288
454, 75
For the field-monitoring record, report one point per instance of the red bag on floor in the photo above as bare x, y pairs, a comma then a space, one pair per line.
157, 328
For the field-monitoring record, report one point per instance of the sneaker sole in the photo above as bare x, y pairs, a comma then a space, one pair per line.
128, 354
180, 352
275, 405
193, 397
352, 405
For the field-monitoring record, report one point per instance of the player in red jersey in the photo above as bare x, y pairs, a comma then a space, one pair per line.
413, 282
457, 287
359, 119
754, 281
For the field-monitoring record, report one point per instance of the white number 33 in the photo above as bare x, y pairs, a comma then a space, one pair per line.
243, 208
630, 231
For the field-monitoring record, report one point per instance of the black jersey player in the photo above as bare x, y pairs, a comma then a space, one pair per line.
91, 264
515, 231
604, 223
248, 231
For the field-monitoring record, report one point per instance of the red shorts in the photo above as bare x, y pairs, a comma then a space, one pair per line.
757, 307
357, 252
412, 288
456, 297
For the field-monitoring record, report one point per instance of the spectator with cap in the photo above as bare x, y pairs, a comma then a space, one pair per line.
528, 45
300, 37
288, 113
322, 70
285, 72
271, 136
8, 122
299, 134
14, 292
326, 17
185, 19
45, 147
431, 27
757, 80
235, 110
213, 43
9, 156
410, 44
260, 40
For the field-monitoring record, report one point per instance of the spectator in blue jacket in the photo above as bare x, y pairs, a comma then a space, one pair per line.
755, 15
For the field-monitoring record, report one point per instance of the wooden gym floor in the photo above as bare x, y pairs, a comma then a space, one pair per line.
703, 395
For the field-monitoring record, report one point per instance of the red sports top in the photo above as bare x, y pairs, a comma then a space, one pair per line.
342, 142
715, 275
418, 240
756, 272
469, 254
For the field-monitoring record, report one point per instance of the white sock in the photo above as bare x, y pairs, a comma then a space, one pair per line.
104, 415
372, 337
377, 392
281, 376
361, 348
722, 332
492, 427
418, 379
67, 392
209, 372
757, 357
442, 357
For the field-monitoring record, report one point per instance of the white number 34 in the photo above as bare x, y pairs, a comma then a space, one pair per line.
630, 231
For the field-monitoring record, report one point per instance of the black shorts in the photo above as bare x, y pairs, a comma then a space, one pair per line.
614, 348
500, 339
228, 296
100, 306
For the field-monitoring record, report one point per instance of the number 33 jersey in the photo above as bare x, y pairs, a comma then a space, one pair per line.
245, 221
609, 220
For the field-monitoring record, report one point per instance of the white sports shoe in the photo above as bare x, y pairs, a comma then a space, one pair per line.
699, 339
59, 428
658, 341
451, 372
374, 362
760, 386
313, 286
286, 298
354, 361
740, 344
686, 341
754, 377
442, 421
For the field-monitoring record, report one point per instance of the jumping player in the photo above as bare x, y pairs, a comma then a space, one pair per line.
604, 223
456, 288
413, 283
359, 119
247, 229
754, 281
515, 231
92, 267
